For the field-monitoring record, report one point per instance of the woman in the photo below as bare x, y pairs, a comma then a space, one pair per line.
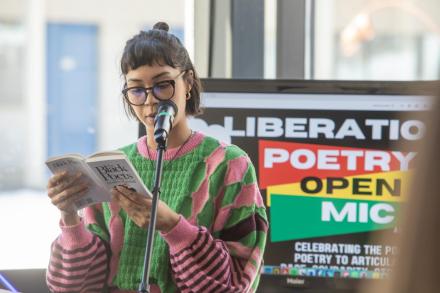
211, 218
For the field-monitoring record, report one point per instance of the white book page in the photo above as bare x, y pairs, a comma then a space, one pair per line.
96, 192
105, 154
118, 172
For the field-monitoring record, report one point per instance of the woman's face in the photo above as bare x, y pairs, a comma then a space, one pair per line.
147, 76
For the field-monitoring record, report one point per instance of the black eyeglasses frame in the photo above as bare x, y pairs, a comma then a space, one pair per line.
147, 90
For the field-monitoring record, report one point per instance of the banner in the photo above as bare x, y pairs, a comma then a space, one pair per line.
333, 172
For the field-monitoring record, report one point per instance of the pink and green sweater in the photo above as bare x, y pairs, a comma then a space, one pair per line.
217, 245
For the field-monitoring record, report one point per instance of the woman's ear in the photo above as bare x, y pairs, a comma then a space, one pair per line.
189, 78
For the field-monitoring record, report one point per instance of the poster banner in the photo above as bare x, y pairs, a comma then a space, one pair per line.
333, 170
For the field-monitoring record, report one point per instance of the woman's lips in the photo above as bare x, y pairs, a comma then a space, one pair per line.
150, 119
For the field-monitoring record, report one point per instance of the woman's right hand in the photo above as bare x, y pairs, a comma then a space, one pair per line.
63, 190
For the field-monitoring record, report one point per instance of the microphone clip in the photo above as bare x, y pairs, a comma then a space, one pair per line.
163, 122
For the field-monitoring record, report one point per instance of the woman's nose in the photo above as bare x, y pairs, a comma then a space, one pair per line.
150, 99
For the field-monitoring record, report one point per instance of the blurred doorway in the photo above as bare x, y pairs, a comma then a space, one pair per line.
71, 88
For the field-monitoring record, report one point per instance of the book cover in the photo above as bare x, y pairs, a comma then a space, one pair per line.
103, 170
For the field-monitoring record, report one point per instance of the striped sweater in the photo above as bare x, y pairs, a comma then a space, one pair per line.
216, 246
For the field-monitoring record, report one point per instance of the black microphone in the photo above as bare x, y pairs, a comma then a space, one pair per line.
163, 122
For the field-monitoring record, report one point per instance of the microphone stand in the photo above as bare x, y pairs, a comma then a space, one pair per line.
161, 139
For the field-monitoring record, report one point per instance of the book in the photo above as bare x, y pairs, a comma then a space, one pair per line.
103, 170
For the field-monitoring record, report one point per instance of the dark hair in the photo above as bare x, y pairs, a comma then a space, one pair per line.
158, 46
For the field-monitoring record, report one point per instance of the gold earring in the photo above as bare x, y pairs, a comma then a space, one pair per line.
188, 95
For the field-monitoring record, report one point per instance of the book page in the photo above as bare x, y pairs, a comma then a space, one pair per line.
106, 154
66, 156
120, 171
96, 192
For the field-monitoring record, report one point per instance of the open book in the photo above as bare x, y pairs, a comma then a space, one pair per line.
104, 170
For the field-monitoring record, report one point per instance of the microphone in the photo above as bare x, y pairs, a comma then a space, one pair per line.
163, 122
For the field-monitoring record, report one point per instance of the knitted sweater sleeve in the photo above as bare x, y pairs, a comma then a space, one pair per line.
79, 260
227, 257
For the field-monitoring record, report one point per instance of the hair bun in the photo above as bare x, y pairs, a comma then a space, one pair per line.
161, 26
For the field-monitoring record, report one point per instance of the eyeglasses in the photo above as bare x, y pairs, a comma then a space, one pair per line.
163, 90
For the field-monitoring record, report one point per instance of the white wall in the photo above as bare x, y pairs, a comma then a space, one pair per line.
117, 21
12, 10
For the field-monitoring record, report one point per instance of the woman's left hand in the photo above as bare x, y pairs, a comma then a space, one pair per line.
138, 208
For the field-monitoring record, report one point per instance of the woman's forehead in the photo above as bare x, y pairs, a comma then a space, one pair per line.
150, 72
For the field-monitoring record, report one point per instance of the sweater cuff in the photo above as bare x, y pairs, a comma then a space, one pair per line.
181, 236
74, 236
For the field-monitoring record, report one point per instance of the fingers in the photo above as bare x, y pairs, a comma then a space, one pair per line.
69, 192
61, 182
65, 189
138, 209
135, 205
67, 204
133, 196
56, 178
128, 200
